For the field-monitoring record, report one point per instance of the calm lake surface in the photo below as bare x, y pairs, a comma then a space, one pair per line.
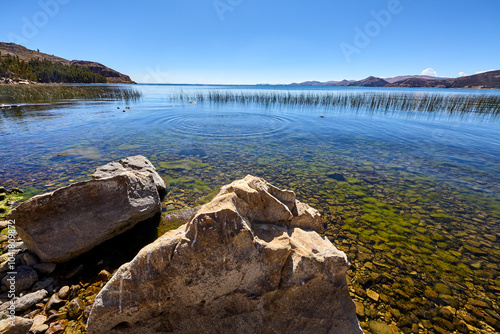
412, 198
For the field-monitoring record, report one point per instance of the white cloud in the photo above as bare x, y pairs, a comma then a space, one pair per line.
429, 71
462, 74
484, 71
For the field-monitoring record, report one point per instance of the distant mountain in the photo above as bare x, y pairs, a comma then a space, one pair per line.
318, 83
489, 80
404, 77
417, 82
370, 82
482, 80
25, 54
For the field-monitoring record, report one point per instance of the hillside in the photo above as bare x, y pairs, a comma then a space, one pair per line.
405, 77
488, 80
482, 80
27, 55
370, 82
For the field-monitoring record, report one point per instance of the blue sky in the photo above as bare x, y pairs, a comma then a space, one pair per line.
257, 41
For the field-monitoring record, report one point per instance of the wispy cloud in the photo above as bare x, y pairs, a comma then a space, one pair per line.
484, 71
429, 71
462, 74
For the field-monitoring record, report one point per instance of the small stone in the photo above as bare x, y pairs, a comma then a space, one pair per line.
476, 265
442, 289
45, 268
430, 294
18, 245
43, 284
57, 327
54, 302
490, 237
24, 278
40, 329
75, 307
103, 275
471, 320
64, 292
27, 301
373, 295
444, 323
17, 325
395, 329
427, 324
478, 303
38, 320
56, 317
29, 259
378, 327
414, 328
395, 313
449, 300
360, 309
440, 330
448, 312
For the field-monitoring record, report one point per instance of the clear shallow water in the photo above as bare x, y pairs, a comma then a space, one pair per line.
412, 198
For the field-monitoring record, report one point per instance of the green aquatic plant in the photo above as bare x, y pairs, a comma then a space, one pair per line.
14, 195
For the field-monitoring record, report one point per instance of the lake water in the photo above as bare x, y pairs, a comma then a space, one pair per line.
412, 198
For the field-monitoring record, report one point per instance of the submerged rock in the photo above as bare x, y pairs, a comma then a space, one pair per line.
70, 221
247, 262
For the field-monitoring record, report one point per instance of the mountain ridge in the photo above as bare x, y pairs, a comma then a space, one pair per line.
485, 80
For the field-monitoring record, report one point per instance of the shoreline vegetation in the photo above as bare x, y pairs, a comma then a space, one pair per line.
49, 93
487, 105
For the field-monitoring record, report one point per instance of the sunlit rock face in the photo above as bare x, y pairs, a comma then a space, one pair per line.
250, 261
63, 224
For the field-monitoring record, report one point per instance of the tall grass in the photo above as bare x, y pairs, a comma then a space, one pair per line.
49, 93
486, 104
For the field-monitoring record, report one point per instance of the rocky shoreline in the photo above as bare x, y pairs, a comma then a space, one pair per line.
389, 295
263, 266
9, 81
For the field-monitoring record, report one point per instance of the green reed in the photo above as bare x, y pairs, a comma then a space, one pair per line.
486, 104
48, 93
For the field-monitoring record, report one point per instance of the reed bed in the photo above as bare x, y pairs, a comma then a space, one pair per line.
485, 104
49, 93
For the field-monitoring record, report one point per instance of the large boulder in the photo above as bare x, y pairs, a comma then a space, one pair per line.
247, 262
137, 164
63, 224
